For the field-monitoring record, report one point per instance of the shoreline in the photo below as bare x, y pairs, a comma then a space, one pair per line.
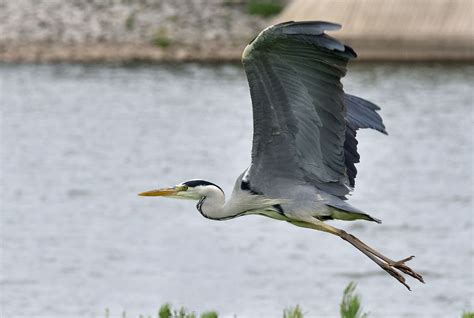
147, 53
153, 31
112, 53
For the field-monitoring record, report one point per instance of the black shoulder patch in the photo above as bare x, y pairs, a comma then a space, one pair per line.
196, 183
245, 185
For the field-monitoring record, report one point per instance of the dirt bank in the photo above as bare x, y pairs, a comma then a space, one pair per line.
125, 30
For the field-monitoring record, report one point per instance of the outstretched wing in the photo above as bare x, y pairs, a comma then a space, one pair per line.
294, 71
360, 114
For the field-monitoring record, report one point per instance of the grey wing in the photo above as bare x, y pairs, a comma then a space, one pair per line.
294, 73
360, 114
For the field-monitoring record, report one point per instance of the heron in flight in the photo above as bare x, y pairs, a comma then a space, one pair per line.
304, 139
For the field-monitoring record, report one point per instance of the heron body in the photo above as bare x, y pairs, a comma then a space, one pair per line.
304, 147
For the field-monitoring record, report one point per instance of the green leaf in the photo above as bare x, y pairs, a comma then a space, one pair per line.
350, 305
209, 314
165, 311
293, 312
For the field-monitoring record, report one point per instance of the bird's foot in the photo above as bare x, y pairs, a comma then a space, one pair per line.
388, 265
390, 269
400, 265
391, 266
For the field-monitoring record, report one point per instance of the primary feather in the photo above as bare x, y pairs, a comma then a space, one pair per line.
304, 123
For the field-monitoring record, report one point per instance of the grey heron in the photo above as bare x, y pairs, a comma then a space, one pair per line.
304, 139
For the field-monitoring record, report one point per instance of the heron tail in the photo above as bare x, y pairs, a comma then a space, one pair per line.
338, 214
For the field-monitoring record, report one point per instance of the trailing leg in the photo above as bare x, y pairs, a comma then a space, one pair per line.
381, 260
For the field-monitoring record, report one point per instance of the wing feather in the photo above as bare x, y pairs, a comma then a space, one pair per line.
360, 114
300, 110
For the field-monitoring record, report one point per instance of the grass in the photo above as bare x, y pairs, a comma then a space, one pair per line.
350, 303
264, 8
293, 312
130, 22
161, 39
350, 307
166, 312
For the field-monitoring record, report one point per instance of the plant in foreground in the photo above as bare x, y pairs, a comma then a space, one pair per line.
350, 305
166, 312
293, 312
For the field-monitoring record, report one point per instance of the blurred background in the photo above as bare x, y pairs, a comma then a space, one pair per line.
103, 99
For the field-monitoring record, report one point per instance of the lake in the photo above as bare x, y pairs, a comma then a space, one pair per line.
79, 142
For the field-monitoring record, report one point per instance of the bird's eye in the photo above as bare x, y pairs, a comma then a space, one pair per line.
184, 188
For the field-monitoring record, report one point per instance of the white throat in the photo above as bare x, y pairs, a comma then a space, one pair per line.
212, 203
213, 206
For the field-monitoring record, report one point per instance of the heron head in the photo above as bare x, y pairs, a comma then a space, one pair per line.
189, 190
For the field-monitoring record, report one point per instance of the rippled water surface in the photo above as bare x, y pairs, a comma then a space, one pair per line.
79, 142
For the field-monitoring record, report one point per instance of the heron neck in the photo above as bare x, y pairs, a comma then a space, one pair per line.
212, 206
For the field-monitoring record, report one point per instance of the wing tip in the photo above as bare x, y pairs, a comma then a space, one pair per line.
312, 31
326, 25
350, 51
307, 27
316, 28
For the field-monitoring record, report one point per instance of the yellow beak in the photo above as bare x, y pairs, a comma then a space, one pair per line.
160, 192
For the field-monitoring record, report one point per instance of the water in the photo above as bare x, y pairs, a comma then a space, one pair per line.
79, 142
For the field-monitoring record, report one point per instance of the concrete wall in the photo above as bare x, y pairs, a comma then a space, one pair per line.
396, 29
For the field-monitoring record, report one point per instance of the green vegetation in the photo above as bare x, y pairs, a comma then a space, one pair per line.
350, 305
161, 39
293, 312
209, 314
166, 312
264, 8
173, 18
130, 21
